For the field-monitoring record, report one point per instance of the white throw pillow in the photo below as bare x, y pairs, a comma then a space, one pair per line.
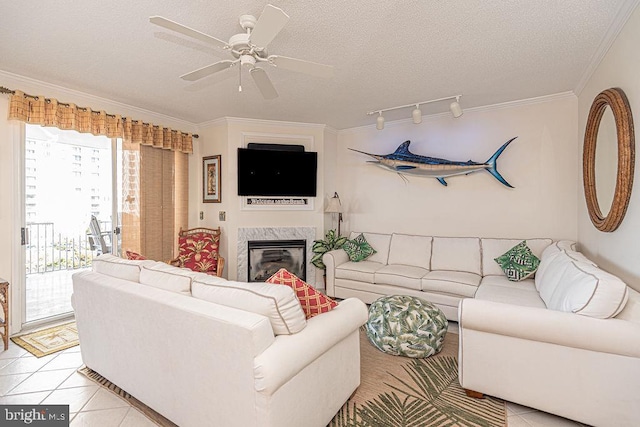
588, 290
552, 264
167, 277
278, 303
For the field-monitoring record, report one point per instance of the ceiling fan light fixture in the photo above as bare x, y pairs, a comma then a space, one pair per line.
380, 122
249, 48
416, 115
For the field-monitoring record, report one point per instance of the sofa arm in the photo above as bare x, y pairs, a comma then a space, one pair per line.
613, 336
289, 354
331, 260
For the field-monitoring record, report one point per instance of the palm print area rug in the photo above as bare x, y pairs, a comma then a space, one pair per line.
397, 391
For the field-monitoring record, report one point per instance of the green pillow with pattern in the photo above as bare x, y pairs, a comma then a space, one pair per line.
358, 249
518, 263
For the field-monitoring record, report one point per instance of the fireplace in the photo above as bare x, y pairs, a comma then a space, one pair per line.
265, 257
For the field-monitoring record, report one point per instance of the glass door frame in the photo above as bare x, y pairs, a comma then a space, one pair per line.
19, 275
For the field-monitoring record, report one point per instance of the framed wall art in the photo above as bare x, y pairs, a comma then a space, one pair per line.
211, 168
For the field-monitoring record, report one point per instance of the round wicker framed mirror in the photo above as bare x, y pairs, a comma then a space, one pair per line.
615, 99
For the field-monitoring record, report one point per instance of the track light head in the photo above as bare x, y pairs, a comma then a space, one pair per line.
455, 108
380, 122
416, 115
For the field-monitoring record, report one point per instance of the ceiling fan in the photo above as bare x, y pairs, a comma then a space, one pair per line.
249, 49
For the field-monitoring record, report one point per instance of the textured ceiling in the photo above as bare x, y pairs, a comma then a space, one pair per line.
385, 53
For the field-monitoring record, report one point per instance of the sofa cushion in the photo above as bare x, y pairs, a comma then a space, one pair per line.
500, 289
518, 263
167, 277
379, 242
358, 249
404, 276
362, 271
312, 301
410, 250
493, 248
451, 282
588, 290
114, 266
456, 254
278, 303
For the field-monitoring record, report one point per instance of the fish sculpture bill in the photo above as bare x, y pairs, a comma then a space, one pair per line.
404, 161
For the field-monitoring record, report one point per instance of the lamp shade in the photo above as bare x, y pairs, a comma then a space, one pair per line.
380, 122
334, 206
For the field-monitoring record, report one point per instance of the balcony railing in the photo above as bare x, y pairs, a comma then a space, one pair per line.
48, 251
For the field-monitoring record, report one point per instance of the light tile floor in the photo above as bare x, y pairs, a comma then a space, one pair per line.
53, 379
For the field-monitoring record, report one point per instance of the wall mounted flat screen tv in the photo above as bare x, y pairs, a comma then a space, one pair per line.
279, 173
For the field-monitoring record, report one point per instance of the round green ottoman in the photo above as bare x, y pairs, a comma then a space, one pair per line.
406, 326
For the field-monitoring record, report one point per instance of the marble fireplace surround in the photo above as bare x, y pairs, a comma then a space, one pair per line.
274, 233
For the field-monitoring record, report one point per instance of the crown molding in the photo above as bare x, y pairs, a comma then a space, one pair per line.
38, 87
261, 122
621, 18
483, 108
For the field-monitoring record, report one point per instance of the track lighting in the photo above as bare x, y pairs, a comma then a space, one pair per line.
455, 108
416, 114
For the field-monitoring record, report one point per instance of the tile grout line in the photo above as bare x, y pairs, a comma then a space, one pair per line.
33, 373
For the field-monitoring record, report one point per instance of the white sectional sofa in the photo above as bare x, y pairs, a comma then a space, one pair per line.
442, 270
201, 350
566, 341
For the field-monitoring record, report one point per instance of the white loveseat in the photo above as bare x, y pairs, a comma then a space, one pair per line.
200, 363
442, 270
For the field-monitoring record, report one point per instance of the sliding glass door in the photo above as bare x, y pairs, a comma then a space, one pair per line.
70, 214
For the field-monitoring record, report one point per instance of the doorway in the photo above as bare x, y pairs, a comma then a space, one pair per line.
69, 179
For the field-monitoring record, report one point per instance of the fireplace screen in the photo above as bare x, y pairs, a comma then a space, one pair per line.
268, 256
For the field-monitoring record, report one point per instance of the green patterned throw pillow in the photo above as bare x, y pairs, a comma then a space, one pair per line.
518, 263
358, 249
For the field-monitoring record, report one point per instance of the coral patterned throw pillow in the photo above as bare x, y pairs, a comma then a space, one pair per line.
312, 301
134, 255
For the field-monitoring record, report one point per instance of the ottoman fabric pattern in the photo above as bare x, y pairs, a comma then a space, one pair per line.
402, 325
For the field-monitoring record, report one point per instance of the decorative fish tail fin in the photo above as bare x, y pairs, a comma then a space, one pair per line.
492, 166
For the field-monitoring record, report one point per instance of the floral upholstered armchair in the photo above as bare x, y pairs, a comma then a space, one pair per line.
198, 251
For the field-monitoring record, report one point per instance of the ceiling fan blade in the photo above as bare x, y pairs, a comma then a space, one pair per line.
300, 66
264, 83
179, 28
207, 71
272, 20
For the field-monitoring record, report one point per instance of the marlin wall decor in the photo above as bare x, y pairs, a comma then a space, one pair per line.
404, 161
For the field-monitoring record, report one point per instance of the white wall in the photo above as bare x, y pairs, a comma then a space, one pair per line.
541, 164
619, 251
225, 137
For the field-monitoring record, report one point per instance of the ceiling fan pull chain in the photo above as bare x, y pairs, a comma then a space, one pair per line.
240, 78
